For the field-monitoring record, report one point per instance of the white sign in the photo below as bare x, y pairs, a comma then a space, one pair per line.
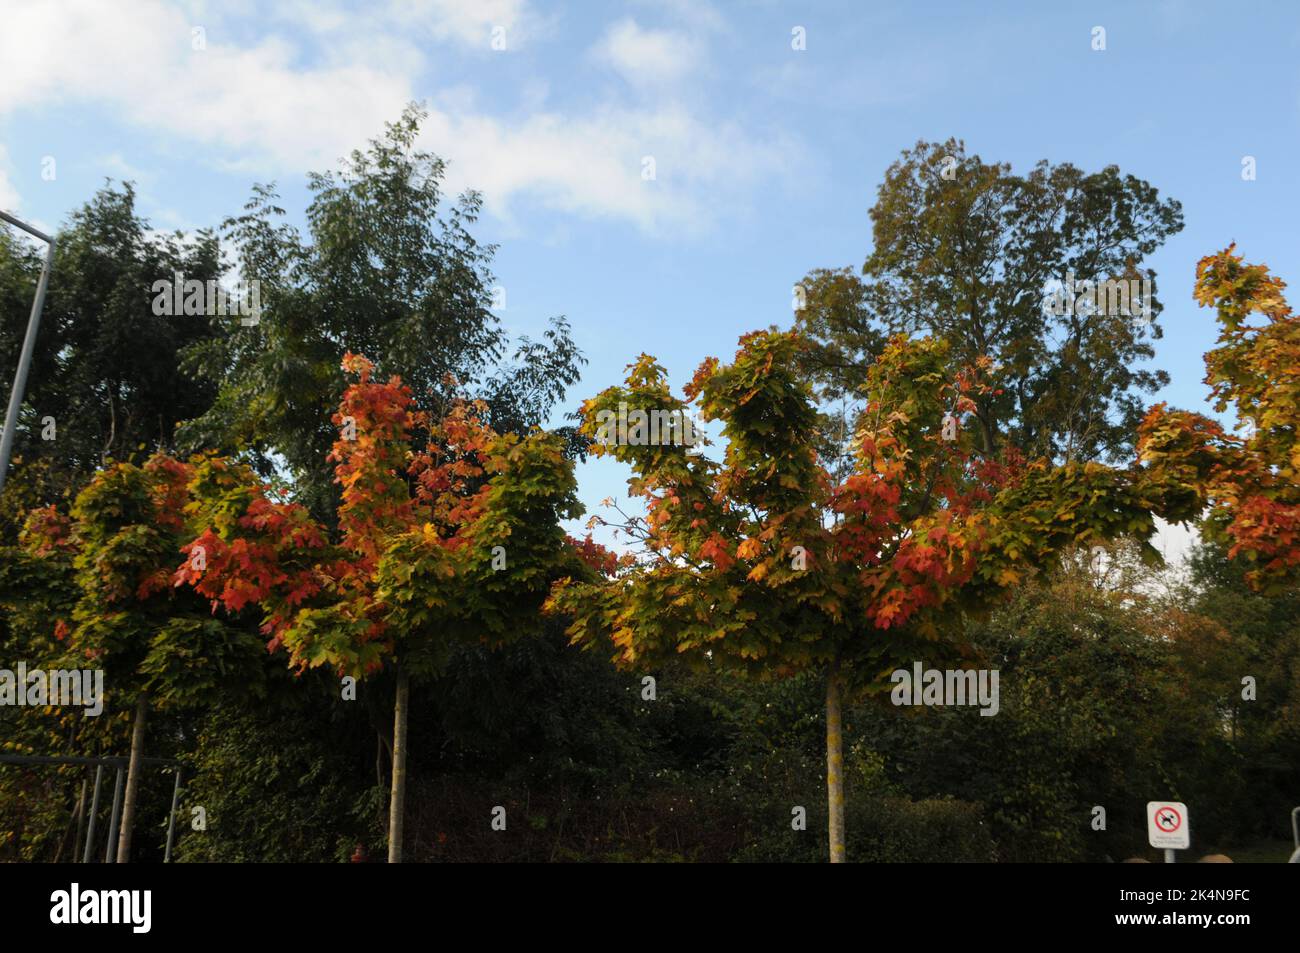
1167, 825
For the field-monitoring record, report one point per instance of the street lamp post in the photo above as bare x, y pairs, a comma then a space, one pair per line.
29, 345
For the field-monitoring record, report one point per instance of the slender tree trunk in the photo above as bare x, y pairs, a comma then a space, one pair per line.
835, 766
397, 803
132, 780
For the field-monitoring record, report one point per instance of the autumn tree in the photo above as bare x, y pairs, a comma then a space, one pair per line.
1248, 486
764, 565
448, 534
105, 575
1244, 488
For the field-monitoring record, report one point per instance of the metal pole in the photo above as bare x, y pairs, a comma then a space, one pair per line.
113, 818
29, 346
1169, 855
171, 822
72, 759
94, 810
81, 817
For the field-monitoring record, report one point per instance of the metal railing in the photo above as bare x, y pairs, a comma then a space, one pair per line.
115, 815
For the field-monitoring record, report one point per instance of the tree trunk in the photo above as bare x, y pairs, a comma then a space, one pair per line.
132, 780
397, 802
834, 766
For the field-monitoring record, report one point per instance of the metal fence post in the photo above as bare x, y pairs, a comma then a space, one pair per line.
111, 849
29, 346
94, 810
171, 821
81, 816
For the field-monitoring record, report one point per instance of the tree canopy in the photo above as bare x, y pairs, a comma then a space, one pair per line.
390, 269
764, 563
972, 253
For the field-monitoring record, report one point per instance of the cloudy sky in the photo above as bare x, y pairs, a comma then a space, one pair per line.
766, 157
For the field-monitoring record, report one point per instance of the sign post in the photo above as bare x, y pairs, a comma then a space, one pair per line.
1167, 827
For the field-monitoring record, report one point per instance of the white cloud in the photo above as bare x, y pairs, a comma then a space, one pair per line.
648, 57
469, 21
245, 101
593, 166
256, 102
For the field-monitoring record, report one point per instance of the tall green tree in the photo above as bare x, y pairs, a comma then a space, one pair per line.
388, 268
105, 379
972, 253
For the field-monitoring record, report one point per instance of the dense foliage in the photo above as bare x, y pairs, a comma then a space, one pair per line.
339, 592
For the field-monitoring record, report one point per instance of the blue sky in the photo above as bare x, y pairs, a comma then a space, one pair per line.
766, 158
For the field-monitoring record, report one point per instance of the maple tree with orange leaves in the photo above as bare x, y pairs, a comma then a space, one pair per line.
1247, 487
448, 534
105, 591
761, 564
